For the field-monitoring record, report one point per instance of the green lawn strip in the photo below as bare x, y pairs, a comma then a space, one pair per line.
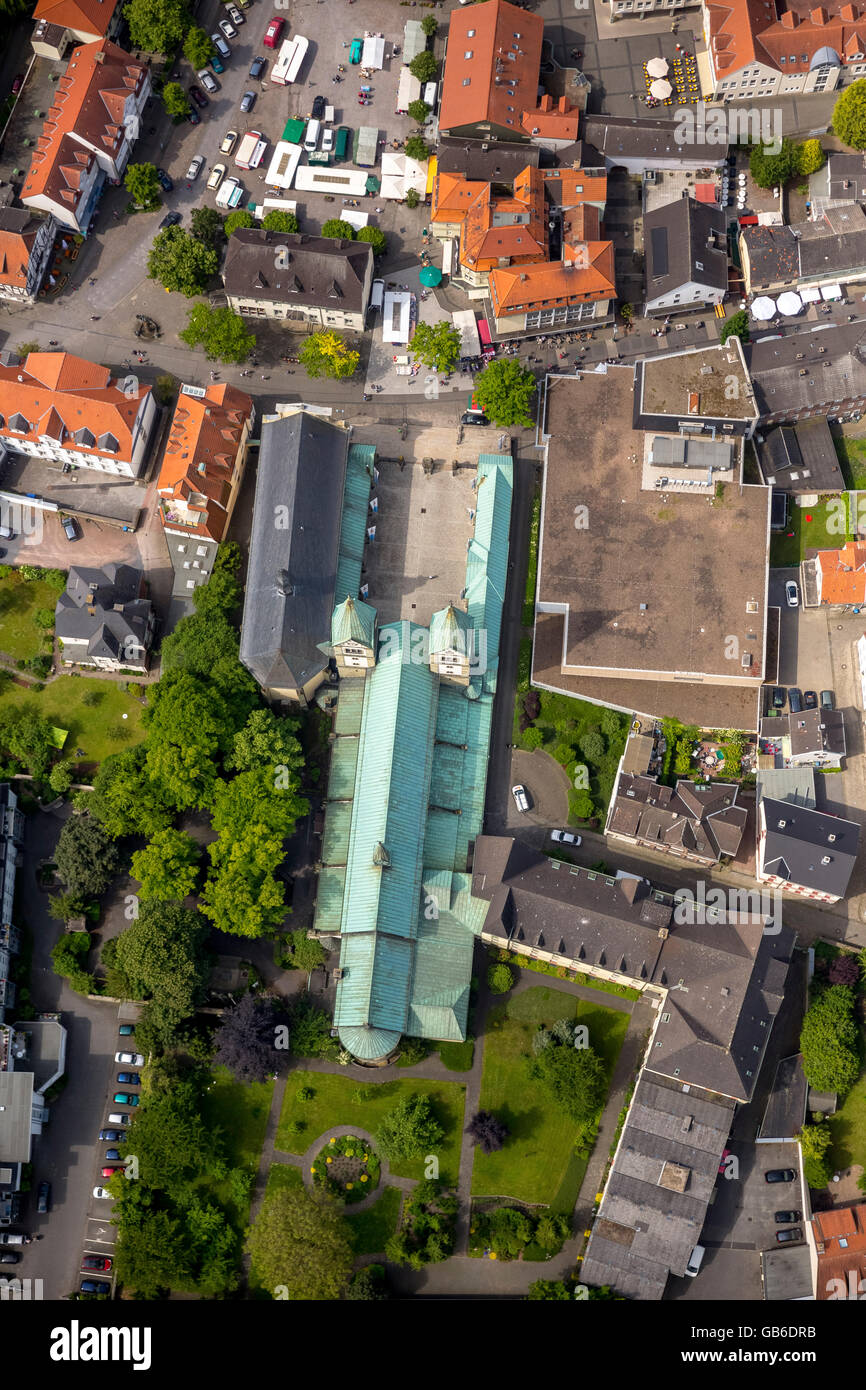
332, 1104
282, 1176
528, 616
240, 1112
90, 726
457, 1056
19, 600
533, 1165
373, 1227
568, 1190
826, 531
848, 1127
852, 460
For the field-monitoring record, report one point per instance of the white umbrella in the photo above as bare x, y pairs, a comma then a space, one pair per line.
763, 308
657, 67
660, 89
789, 303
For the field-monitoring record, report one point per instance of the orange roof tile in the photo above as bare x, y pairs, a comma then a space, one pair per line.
84, 16
58, 394
15, 252
840, 1242
452, 197
492, 65
551, 125
199, 458
586, 274
843, 574
733, 26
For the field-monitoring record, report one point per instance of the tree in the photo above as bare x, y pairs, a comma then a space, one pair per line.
27, 737
327, 354
487, 1131
206, 225
237, 219
770, 169
246, 1040
376, 238
157, 26
499, 979
575, 1078
369, 1283
343, 231
419, 110
429, 25
278, 221
242, 895
266, 741
828, 1041
424, 66
626, 313
416, 146
300, 1246
549, 1291
198, 48
816, 1141
175, 99
844, 970
167, 867
810, 157
436, 345
86, 857
166, 386
153, 1254
737, 326
533, 738
124, 799
307, 953
221, 332
413, 198
163, 953
63, 906
68, 956
504, 390
189, 727
311, 1031
171, 1141
592, 745
181, 262
849, 115
508, 1230
60, 778
142, 185
409, 1129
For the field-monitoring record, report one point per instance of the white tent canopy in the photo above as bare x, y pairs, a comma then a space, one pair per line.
831, 292
660, 89
373, 55
400, 173
789, 303
763, 308
810, 296
657, 67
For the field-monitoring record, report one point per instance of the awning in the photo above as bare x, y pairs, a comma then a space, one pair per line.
373, 55
660, 89
811, 296
432, 166
763, 308
831, 292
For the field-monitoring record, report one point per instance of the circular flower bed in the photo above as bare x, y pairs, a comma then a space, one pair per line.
348, 1168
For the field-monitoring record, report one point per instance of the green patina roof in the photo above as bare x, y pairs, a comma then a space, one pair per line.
368, 1043
344, 763
353, 621
448, 629
355, 519
487, 560
329, 898
350, 708
374, 990
335, 841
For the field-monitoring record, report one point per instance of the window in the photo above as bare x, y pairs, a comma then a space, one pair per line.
181, 549
186, 564
201, 550
470, 33
466, 81
468, 53
190, 583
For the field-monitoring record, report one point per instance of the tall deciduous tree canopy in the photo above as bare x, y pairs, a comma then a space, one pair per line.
242, 895
487, 1131
246, 1041
157, 26
189, 728
300, 1243
410, 1129
163, 954
327, 354
504, 390
86, 857
175, 99
849, 115
221, 332
436, 345
828, 1041
181, 262
142, 185
168, 866
266, 741
124, 799
575, 1078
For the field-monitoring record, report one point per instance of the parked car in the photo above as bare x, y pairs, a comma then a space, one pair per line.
195, 168
193, 117
318, 107
257, 67
111, 1168
273, 32
171, 219
789, 1236
792, 594
9, 1257
785, 1218
248, 101
723, 1159
123, 1098
129, 1078
228, 29
216, 176
112, 1154
810, 699
103, 1262
356, 50
220, 45
778, 697
102, 1193
216, 63
780, 1175
165, 181
126, 1030
198, 96
112, 1136
696, 1259
795, 699
565, 837
474, 417
70, 528
98, 1286
208, 81
17, 82
118, 1118
828, 699
521, 800
43, 1198
327, 139
235, 15
229, 141
134, 1059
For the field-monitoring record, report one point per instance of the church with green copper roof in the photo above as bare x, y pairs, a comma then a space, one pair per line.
405, 796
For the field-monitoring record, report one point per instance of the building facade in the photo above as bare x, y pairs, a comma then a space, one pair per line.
321, 281
26, 248
102, 619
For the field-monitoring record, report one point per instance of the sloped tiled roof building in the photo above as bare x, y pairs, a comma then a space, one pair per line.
103, 620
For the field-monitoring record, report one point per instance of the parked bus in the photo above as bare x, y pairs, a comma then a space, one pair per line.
288, 64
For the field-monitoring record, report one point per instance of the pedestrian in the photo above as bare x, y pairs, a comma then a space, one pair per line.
264, 378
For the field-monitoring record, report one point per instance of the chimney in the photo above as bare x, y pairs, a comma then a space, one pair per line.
99, 55
789, 20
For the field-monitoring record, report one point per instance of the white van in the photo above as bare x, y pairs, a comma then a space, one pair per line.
377, 294
258, 154
695, 1261
430, 93
311, 139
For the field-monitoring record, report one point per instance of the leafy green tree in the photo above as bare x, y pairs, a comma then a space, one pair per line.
532, 738
828, 1041
550, 1232
770, 169
70, 952
500, 979
307, 953
327, 354
221, 332
437, 345
163, 953
212, 1247
311, 1032
581, 804
86, 857
816, 1141
206, 225
153, 1254
60, 778
175, 99
416, 146
198, 48
181, 262
592, 745
167, 867
413, 198
157, 26
810, 157
124, 799
504, 390
369, 1284
242, 895
575, 1078
429, 25
410, 1128
278, 221
189, 728
376, 238
334, 227
508, 1230
419, 110
171, 1141
237, 219
263, 797
849, 115
737, 326
300, 1246
549, 1291
27, 737
63, 906
44, 618
424, 66
266, 741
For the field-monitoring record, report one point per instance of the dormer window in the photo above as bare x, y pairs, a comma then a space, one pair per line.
18, 424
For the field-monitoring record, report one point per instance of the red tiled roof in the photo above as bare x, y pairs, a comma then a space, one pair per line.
83, 16
487, 32
15, 250
843, 574
58, 394
200, 455
587, 274
840, 1242
747, 31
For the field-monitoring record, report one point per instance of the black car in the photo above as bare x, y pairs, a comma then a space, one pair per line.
810, 699
786, 1218
780, 1175
778, 697
94, 1286
9, 1257
198, 95
70, 528
193, 117
471, 417
164, 180
43, 1198
171, 219
257, 67
112, 1136
795, 700
828, 699
787, 1237
318, 107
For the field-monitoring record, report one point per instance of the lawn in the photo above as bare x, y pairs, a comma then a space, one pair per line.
851, 454
538, 1163
849, 1128
372, 1228
90, 726
562, 723
333, 1104
822, 527
457, 1056
282, 1176
20, 638
240, 1113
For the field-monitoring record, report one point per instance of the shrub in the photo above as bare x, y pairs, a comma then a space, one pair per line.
532, 704
815, 1141
306, 1093
412, 198
844, 970
828, 1040
500, 979
533, 738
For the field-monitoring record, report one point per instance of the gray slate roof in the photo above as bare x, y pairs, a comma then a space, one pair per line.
501, 163
292, 570
798, 839
323, 272
831, 357
808, 251
103, 607
701, 821
801, 458
684, 242
632, 137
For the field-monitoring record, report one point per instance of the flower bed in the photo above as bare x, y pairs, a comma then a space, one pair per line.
348, 1168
